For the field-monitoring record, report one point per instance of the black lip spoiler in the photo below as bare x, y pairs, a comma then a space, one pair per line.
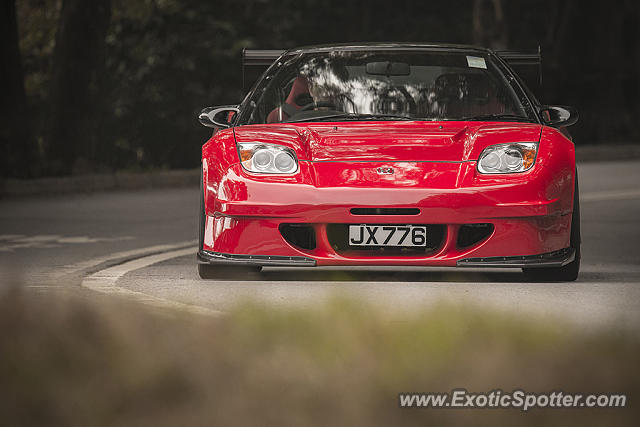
209, 257
558, 258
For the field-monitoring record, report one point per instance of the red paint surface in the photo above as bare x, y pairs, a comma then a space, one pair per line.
435, 170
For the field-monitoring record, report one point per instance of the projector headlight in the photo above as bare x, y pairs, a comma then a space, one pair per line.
267, 158
508, 158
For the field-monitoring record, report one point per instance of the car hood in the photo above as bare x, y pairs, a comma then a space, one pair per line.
389, 141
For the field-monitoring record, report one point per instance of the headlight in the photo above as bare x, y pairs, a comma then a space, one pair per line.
267, 158
508, 158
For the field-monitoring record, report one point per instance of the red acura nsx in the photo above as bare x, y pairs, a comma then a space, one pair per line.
390, 154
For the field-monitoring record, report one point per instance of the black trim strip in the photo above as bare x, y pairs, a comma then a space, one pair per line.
385, 211
558, 258
209, 257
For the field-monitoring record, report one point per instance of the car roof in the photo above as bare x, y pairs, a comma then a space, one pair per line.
383, 46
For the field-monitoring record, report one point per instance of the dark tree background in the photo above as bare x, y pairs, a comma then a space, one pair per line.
17, 148
95, 86
75, 92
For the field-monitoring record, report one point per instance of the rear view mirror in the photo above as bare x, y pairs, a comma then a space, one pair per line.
218, 117
388, 68
559, 116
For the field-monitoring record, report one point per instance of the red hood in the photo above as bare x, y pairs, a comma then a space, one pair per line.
389, 141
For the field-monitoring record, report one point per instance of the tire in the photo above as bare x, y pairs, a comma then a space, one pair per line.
201, 215
569, 272
209, 271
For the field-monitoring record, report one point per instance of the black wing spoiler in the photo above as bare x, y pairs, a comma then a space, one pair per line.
260, 56
255, 58
527, 64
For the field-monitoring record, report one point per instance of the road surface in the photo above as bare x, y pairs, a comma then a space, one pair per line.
142, 245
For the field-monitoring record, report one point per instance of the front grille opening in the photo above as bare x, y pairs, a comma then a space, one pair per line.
471, 234
385, 211
302, 236
338, 236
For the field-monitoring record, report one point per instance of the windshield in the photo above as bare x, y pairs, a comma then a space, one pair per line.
386, 85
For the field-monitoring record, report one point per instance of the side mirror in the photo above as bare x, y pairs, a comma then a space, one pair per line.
218, 117
559, 116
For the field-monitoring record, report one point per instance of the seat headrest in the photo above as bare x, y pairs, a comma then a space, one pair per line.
300, 87
471, 87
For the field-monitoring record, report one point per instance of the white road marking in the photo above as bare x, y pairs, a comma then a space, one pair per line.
105, 281
610, 195
84, 266
10, 236
10, 242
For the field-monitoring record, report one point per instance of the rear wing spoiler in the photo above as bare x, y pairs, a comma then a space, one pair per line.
528, 65
259, 60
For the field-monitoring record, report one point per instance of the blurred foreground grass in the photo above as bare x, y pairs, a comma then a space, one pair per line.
76, 362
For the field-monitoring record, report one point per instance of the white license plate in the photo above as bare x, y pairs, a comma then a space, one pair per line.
387, 235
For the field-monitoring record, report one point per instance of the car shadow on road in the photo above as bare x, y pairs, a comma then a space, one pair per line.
428, 275
610, 277
388, 275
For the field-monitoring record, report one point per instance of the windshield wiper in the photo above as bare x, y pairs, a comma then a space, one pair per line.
352, 116
380, 117
490, 117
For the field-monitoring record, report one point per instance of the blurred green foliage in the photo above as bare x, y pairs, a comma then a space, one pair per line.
79, 362
166, 59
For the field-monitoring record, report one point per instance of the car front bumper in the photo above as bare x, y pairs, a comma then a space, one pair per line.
530, 218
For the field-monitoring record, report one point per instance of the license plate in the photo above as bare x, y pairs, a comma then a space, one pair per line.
387, 235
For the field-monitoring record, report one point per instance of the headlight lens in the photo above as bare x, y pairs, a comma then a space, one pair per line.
267, 158
508, 158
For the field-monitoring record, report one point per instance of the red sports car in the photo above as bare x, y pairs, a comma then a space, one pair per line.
390, 154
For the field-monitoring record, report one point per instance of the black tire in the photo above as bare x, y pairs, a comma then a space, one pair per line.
569, 272
209, 271
201, 215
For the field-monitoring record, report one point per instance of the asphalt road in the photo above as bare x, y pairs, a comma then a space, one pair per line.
53, 244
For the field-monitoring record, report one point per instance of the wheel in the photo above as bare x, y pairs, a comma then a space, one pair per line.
569, 272
208, 271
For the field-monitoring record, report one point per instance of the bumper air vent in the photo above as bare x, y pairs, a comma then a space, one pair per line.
302, 236
472, 234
